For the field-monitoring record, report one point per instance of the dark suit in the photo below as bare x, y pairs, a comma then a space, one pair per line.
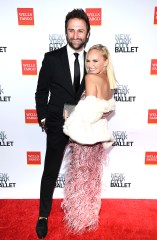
54, 79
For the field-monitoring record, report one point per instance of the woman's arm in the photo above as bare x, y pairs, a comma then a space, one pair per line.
90, 85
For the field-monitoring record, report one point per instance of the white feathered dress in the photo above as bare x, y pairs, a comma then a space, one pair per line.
90, 137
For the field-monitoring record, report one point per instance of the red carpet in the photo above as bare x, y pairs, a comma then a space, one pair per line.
120, 219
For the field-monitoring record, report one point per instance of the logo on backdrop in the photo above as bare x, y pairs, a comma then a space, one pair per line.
123, 43
4, 98
60, 181
31, 116
121, 139
152, 116
5, 181
3, 49
94, 15
25, 16
155, 15
56, 41
122, 94
118, 180
153, 69
33, 158
29, 67
3, 140
151, 158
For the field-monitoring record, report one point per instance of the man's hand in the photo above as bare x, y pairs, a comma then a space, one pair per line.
44, 129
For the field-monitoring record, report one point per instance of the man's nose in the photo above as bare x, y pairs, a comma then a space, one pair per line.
76, 35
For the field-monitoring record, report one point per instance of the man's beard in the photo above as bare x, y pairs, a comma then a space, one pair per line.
82, 44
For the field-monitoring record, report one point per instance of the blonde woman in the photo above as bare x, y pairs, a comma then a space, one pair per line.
89, 137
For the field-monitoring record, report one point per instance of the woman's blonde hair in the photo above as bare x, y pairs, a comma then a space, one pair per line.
109, 69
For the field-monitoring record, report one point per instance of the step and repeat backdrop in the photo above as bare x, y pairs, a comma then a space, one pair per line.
30, 28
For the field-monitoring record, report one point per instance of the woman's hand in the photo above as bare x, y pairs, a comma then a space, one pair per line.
105, 115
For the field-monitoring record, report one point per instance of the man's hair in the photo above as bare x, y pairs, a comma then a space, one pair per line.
77, 13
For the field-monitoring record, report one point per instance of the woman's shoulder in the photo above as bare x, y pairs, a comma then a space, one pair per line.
92, 77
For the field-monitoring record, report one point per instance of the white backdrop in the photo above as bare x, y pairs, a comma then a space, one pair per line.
129, 30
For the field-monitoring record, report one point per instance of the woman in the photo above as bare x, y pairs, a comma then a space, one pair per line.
87, 128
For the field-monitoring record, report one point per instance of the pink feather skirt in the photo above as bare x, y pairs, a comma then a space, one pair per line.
82, 190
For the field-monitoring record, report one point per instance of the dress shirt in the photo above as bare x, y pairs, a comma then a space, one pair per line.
71, 58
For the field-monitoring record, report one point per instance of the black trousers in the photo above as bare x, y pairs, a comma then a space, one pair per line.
56, 143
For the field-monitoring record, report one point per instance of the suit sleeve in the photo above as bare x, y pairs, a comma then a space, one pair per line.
42, 91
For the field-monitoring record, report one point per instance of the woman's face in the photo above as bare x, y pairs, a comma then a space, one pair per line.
95, 62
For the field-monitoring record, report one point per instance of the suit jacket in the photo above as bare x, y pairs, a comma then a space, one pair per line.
54, 87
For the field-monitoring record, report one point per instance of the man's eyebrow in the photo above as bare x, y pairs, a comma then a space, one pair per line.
76, 29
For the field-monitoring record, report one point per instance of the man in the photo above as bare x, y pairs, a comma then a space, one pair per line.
56, 87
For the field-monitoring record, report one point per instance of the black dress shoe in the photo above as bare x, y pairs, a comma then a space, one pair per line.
41, 228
